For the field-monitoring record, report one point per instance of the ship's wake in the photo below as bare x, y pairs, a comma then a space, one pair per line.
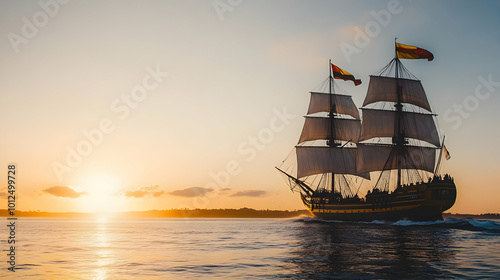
451, 223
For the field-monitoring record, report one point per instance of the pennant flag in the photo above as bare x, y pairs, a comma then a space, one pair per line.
411, 52
344, 75
446, 153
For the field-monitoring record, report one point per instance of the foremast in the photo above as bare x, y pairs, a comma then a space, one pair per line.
325, 153
332, 141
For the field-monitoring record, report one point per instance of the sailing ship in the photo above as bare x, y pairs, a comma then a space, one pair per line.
394, 148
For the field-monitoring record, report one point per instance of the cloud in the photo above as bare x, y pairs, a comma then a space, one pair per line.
159, 193
136, 194
63, 191
191, 192
143, 191
250, 193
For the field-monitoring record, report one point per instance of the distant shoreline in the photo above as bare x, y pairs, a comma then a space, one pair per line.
173, 213
207, 213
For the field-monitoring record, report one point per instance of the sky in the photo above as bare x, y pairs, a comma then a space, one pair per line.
139, 105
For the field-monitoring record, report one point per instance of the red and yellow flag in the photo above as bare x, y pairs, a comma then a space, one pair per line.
411, 52
446, 153
344, 75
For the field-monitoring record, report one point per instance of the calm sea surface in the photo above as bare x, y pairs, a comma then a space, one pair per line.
251, 249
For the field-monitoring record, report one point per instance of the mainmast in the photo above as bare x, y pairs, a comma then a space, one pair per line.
401, 125
400, 141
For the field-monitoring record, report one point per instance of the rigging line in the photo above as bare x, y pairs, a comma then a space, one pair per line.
345, 186
339, 88
384, 177
389, 65
438, 165
341, 184
342, 180
407, 72
408, 175
359, 187
287, 157
346, 143
289, 165
344, 164
387, 185
356, 179
416, 176
322, 87
385, 165
350, 180
315, 177
391, 68
409, 159
350, 183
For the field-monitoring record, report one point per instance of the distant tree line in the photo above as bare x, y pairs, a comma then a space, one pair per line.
172, 213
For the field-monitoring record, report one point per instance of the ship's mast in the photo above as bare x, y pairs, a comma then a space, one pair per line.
331, 141
400, 141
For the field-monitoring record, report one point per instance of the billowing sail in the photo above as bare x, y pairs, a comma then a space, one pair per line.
319, 128
372, 157
381, 123
319, 160
320, 102
384, 89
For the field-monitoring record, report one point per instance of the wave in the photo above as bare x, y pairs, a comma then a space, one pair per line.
472, 224
451, 223
467, 224
309, 219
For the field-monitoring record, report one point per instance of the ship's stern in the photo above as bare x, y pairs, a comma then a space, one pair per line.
440, 196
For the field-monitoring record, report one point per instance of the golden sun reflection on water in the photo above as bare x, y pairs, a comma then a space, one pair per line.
104, 255
102, 220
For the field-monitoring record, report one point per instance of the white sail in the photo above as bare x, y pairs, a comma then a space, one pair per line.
320, 102
384, 89
319, 128
381, 123
319, 160
378, 157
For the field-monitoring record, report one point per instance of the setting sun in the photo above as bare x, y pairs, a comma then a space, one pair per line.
101, 194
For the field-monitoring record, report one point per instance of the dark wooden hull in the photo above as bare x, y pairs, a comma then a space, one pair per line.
420, 202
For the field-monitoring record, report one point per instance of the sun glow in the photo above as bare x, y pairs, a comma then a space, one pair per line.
102, 194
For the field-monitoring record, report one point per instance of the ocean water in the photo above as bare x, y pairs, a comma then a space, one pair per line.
302, 248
